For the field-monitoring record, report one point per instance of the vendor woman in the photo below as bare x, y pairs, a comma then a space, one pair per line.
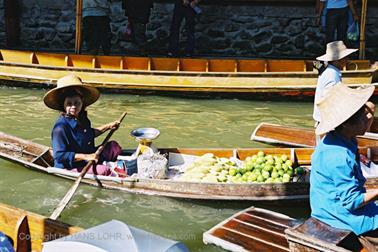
337, 193
73, 138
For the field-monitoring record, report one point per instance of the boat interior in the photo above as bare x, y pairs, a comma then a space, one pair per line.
166, 64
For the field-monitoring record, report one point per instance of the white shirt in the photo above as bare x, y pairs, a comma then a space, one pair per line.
330, 77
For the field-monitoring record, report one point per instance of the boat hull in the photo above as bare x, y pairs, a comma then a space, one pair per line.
39, 157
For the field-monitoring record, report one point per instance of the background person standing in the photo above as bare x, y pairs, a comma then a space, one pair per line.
187, 9
96, 24
138, 13
337, 18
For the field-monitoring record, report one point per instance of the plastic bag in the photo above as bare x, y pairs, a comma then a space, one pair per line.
353, 32
152, 165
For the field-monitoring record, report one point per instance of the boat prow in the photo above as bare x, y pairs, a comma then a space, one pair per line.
257, 229
283, 135
253, 229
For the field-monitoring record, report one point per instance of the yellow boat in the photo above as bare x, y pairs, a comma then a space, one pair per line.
253, 78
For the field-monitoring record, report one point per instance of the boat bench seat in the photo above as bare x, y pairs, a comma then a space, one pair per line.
319, 236
286, 66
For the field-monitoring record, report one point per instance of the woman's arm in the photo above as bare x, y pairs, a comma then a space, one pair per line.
351, 6
102, 129
85, 157
319, 10
370, 196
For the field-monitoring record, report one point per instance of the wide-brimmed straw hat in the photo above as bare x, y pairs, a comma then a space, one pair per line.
335, 51
339, 103
55, 97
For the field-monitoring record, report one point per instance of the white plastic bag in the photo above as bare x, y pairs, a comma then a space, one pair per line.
152, 165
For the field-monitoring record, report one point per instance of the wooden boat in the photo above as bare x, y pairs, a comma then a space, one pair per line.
253, 229
256, 229
299, 137
39, 157
15, 222
314, 235
243, 78
33, 232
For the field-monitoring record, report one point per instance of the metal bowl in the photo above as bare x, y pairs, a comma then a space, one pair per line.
145, 134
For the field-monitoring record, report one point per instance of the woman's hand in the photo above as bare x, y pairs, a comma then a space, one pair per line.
113, 125
89, 157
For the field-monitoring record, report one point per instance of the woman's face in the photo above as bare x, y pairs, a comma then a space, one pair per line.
73, 105
363, 120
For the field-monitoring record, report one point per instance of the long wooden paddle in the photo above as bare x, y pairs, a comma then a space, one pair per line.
63, 203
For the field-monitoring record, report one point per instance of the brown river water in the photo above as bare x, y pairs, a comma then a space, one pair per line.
182, 123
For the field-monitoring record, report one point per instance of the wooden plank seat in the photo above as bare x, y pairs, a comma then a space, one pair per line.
20, 57
50, 59
81, 61
252, 66
286, 66
314, 235
222, 65
136, 63
194, 65
109, 62
164, 64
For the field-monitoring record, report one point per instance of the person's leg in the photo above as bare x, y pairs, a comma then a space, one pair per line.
174, 32
140, 37
110, 152
105, 34
342, 24
100, 170
190, 22
89, 28
330, 25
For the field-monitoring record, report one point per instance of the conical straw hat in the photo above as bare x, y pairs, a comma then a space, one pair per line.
55, 97
339, 104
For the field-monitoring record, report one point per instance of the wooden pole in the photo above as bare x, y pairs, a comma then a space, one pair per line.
63, 203
79, 10
362, 29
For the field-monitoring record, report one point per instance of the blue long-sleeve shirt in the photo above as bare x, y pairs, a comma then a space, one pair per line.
70, 137
337, 186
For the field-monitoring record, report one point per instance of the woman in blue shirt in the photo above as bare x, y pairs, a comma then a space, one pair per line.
337, 193
73, 136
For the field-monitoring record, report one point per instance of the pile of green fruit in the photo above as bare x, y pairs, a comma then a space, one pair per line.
258, 168
209, 168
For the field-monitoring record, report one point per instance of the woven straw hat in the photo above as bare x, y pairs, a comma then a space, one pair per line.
339, 103
335, 51
55, 97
